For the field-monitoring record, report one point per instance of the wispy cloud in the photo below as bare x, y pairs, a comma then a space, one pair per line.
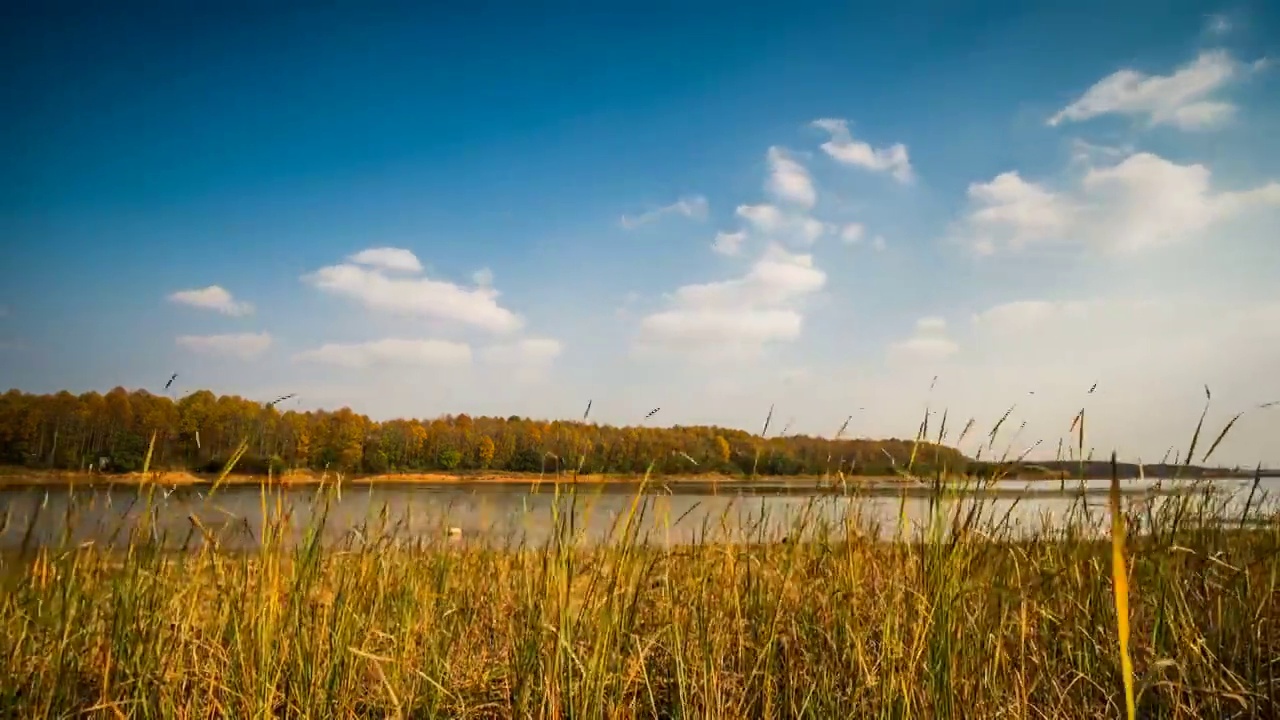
528, 350
843, 148
1181, 99
693, 206
729, 243
389, 351
929, 342
215, 298
1218, 24
244, 346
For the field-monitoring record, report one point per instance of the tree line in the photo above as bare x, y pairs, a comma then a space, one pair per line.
200, 431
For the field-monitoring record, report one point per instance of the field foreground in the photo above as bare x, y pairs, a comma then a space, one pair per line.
840, 626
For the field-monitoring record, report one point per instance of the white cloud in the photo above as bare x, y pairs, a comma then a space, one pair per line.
213, 298
528, 351
929, 342
244, 346
789, 181
388, 258
1181, 99
741, 314
526, 360
1024, 315
852, 233
729, 243
879, 243
389, 351
767, 219
692, 206
1141, 202
416, 296
1149, 355
483, 277
1012, 212
931, 324
772, 223
843, 148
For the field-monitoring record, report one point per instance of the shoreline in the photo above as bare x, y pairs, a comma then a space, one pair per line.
16, 477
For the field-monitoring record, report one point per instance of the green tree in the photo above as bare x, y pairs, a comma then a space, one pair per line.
449, 458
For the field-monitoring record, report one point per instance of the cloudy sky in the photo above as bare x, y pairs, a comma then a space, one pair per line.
708, 208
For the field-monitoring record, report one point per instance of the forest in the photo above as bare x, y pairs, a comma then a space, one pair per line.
200, 431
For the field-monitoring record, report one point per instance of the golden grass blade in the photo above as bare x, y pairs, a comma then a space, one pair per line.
1120, 587
231, 463
1226, 429
146, 461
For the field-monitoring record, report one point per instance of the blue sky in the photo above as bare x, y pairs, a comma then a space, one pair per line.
707, 207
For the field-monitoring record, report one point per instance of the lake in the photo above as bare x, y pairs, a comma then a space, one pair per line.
509, 514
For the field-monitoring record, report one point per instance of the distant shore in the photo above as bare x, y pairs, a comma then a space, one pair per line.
17, 476
24, 477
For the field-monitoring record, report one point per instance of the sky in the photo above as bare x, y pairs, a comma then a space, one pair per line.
845, 211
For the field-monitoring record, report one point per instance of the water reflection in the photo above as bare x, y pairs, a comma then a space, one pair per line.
509, 515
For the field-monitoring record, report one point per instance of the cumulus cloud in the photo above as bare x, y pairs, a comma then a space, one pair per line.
843, 148
744, 313
1013, 212
1143, 201
1181, 99
789, 181
415, 296
692, 206
388, 258
215, 298
728, 243
389, 351
929, 342
244, 346
483, 277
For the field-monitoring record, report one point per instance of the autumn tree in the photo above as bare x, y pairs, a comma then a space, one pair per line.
484, 451
200, 430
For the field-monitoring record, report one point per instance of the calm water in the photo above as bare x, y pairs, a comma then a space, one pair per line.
514, 514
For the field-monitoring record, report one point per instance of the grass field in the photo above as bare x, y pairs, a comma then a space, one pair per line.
962, 623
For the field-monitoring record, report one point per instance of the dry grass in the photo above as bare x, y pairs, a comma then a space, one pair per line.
970, 623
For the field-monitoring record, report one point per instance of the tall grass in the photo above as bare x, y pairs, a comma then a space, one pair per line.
965, 617
960, 621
